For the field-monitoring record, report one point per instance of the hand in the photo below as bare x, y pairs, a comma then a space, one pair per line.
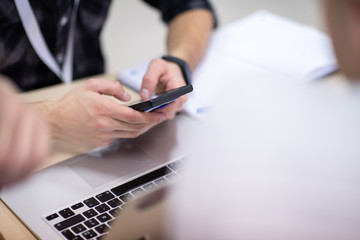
85, 116
162, 76
24, 136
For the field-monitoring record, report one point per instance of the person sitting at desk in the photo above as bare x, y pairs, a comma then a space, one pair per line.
33, 32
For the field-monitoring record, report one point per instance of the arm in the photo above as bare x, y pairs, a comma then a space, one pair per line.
187, 39
188, 35
24, 136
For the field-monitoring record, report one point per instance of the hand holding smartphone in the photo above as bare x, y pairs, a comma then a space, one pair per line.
162, 99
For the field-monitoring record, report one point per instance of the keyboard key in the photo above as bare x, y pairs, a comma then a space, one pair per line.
138, 192
69, 222
176, 165
104, 217
111, 222
115, 212
91, 202
89, 234
185, 160
120, 190
181, 171
150, 187
102, 208
114, 202
126, 197
78, 228
161, 182
52, 216
171, 177
91, 223
68, 234
102, 228
105, 196
90, 213
77, 206
77, 238
66, 213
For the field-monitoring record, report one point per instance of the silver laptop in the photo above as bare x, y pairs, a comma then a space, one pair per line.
81, 197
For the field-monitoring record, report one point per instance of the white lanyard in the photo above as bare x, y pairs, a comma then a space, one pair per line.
37, 40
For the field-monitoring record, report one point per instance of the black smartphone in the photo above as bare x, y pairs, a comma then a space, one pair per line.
162, 99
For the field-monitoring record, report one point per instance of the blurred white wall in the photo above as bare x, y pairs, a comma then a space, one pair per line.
135, 33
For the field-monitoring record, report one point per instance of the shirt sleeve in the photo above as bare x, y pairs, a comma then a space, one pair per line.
171, 8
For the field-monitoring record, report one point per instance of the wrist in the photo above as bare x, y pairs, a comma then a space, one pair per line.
183, 56
48, 110
184, 67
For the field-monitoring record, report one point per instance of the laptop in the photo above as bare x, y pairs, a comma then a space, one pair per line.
81, 198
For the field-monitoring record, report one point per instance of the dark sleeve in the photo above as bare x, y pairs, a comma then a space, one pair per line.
171, 8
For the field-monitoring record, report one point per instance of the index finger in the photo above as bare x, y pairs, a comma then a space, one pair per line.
129, 115
111, 88
156, 69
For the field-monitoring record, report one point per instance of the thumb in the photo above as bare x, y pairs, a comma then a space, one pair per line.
111, 88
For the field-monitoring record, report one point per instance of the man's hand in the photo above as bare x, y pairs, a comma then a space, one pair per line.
24, 136
85, 116
162, 76
188, 36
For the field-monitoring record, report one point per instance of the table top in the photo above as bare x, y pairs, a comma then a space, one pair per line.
11, 227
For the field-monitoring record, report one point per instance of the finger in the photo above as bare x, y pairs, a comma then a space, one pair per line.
173, 108
136, 117
126, 134
111, 88
129, 115
156, 69
107, 124
170, 110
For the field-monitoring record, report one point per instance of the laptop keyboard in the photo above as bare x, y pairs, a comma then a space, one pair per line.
91, 218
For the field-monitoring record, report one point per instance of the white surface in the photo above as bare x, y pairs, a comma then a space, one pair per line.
279, 45
132, 77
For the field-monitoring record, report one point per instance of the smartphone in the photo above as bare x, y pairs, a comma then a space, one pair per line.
162, 99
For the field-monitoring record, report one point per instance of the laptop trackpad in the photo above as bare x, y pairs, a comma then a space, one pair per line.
119, 160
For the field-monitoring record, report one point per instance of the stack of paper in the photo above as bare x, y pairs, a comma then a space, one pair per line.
278, 44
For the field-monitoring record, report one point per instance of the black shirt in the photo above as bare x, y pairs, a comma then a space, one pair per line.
20, 62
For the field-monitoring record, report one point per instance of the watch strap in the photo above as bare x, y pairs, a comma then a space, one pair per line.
185, 69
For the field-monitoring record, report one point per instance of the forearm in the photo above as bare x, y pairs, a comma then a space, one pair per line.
189, 34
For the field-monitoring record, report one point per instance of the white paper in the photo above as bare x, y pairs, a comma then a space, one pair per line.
280, 45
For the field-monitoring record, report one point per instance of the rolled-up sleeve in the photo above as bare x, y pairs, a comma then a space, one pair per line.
171, 8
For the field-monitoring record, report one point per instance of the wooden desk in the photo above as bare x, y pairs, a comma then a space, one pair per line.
10, 226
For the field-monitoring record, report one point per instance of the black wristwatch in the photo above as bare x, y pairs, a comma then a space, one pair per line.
183, 66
